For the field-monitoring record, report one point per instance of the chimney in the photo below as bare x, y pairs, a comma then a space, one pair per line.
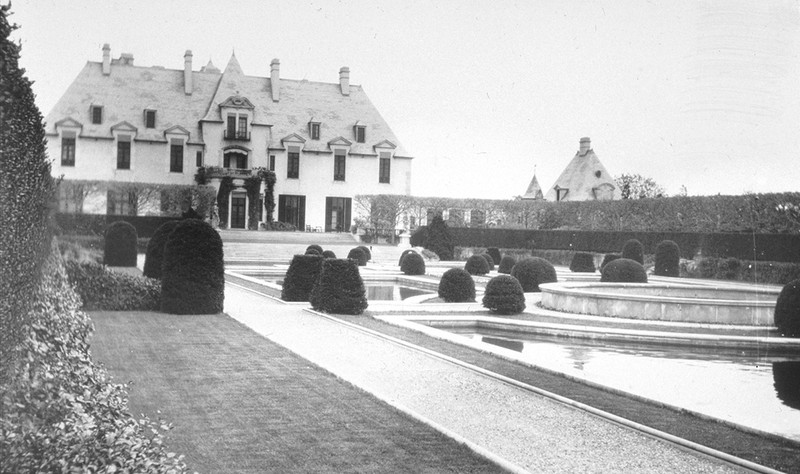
344, 80
586, 145
275, 79
106, 59
187, 72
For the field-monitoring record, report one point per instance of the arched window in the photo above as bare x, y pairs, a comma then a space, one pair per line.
235, 158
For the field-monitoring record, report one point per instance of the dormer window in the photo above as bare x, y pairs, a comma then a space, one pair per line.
237, 127
97, 114
360, 133
313, 130
150, 119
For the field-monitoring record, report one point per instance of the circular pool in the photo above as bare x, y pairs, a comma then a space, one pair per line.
751, 306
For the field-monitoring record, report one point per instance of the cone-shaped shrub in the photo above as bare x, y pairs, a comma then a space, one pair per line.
633, 250
366, 251
313, 251
358, 255
506, 264
328, 254
668, 259
495, 253
403, 255
154, 257
532, 272
419, 237
339, 289
316, 247
120, 245
489, 260
301, 277
413, 264
787, 310
624, 270
582, 262
439, 240
476, 265
504, 295
457, 286
608, 258
193, 273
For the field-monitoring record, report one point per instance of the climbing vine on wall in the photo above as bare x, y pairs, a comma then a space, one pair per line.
252, 186
269, 193
225, 188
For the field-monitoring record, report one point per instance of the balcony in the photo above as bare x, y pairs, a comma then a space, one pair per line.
237, 135
219, 172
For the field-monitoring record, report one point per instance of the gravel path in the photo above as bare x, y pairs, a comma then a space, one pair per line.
528, 430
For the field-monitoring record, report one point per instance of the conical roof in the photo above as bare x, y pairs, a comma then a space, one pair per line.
534, 191
584, 179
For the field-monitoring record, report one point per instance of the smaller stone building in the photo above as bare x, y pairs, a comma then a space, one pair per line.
584, 179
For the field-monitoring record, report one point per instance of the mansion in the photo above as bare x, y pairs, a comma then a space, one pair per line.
122, 127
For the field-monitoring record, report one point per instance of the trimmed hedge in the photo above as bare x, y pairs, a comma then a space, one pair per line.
506, 264
476, 265
608, 258
366, 251
787, 310
439, 239
313, 251
328, 254
495, 254
419, 237
504, 295
624, 270
95, 224
316, 247
582, 262
104, 289
154, 257
403, 255
358, 255
193, 273
489, 260
457, 286
413, 264
301, 277
633, 250
532, 272
668, 259
339, 289
120, 245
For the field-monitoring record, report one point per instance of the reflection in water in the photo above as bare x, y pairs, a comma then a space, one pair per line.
392, 292
787, 382
507, 343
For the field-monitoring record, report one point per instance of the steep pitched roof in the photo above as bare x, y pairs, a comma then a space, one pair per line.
584, 178
534, 191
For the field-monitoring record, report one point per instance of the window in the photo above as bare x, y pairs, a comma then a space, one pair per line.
176, 157
150, 119
123, 153
236, 160
385, 168
68, 150
293, 165
339, 160
237, 128
337, 214
121, 203
292, 210
242, 129
97, 114
313, 130
361, 133
231, 132
199, 159
272, 162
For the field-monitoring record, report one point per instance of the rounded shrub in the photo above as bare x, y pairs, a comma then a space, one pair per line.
301, 276
506, 264
495, 253
339, 289
608, 258
403, 255
316, 247
532, 272
413, 264
787, 310
328, 254
366, 251
120, 245
313, 251
489, 260
193, 273
624, 270
504, 295
633, 250
154, 256
358, 255
582, 262
457, 286
476, 265
668, 259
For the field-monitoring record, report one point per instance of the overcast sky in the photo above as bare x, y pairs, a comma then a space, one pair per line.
704, 94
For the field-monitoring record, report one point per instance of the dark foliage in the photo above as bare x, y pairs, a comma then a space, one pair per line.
439, 240
786, 376
457, 286
608, 258
316, 247
532, 272
191, 214
328, 254
582, 262
104, 289
269, 193
413, 264
120, 245
506, 264
313, 251
476, 265
358, 255
787, 310
489, 260
633, 250
495, 253
504, 295
403, 255
668, 259
154, 257
366, 251
419, 237
339, 289
225, 188
193, 272
623, 270
301, 277
252, 186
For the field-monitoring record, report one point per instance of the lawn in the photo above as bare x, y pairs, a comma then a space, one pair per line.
241, 403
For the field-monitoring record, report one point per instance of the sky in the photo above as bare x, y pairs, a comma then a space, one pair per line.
698, 95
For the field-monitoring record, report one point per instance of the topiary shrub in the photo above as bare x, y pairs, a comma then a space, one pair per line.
668, 259
624, 270
328, 254
787, 310
366, 251
608, 258
358, 255
439, 239
413, 264
476, 265
419, 237
402, 255
313, 252
104, 289
489, 260
154, 256
633, 250
532, 272
495, 254
339, 289
120, 245
316, 247
457, 286
301, 277
504, 295
506, 264
193, 276
729, 269
582, 262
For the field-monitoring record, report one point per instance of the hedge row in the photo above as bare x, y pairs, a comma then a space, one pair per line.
96, 224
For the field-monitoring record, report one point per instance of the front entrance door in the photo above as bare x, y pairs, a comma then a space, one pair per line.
238, 212
337, 214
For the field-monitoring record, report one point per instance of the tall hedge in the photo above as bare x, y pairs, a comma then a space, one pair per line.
301, 277
340, 289
668, 259
120, 245
154, 256
26, 194
193, 273
439, 240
